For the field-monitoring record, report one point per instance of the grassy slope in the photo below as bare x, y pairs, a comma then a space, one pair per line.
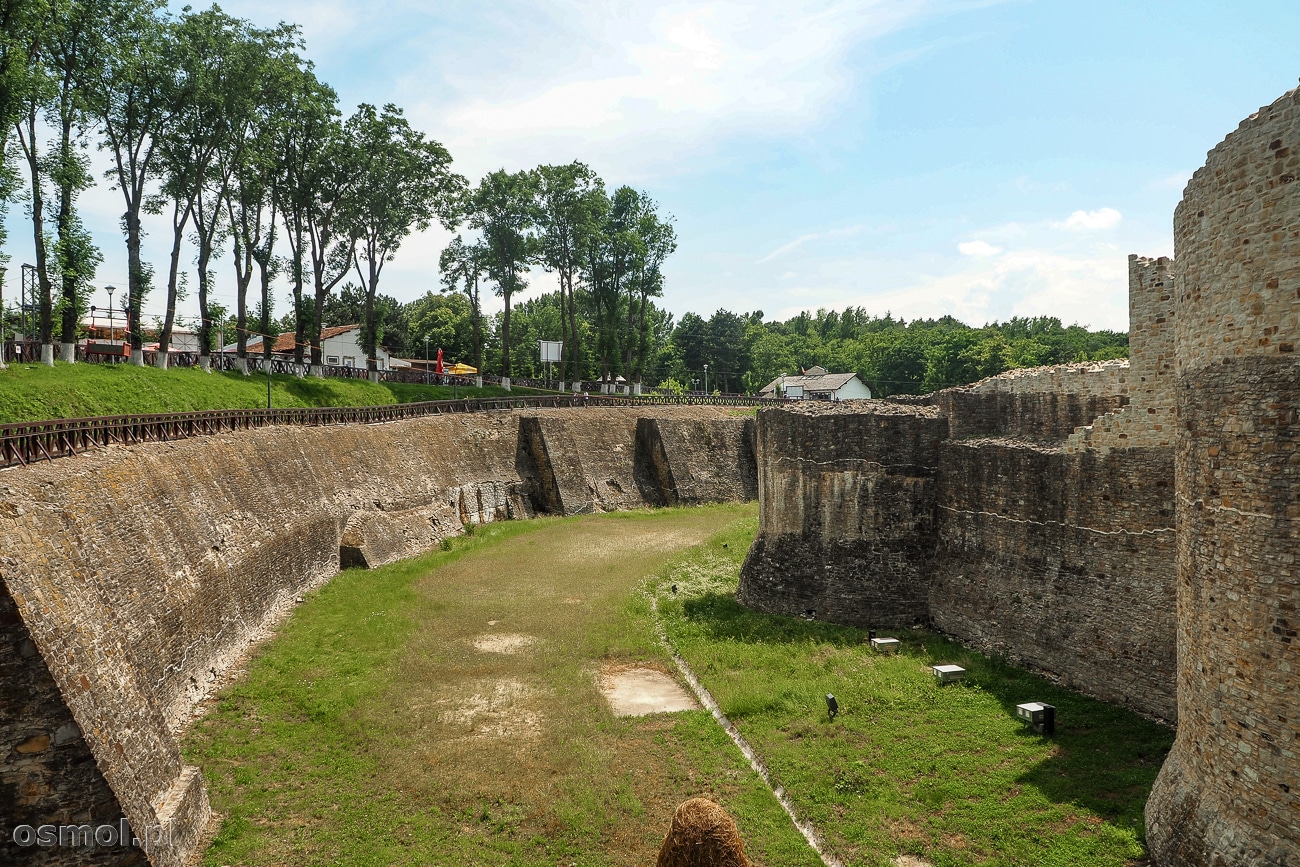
370, 731
36, 392
909, 767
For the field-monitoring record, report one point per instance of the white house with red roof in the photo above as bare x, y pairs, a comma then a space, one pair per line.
340, 347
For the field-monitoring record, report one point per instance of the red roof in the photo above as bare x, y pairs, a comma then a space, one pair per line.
284, 343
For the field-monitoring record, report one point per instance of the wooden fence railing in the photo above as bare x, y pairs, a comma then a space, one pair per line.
28, 442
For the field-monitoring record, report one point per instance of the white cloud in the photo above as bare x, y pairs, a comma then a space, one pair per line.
978, 249
635, 88
1090, 221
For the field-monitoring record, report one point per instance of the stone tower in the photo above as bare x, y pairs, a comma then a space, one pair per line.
1229, 793
1148, 420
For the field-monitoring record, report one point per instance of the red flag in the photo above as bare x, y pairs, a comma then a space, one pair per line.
438, 369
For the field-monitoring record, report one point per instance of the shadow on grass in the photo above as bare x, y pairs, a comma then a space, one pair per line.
1105, 759
722, 618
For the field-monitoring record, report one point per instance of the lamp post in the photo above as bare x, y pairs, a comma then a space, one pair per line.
3, 366
110, 290
426, 360
706, 379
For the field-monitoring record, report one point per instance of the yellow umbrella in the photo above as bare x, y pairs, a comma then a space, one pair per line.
459, 369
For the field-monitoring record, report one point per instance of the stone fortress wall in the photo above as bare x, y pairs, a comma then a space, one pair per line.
1229, 792
1148, 419
132, 577
1147, 557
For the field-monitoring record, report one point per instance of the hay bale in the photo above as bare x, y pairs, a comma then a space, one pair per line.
702, 835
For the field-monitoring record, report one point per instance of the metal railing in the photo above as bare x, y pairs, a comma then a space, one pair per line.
28, 442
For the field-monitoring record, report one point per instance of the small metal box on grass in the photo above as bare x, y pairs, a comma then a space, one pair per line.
1042, 717
885, 645
948, 673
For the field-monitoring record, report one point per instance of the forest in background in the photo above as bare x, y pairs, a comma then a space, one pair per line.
744, 351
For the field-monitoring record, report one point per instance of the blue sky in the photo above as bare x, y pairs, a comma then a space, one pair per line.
985, 158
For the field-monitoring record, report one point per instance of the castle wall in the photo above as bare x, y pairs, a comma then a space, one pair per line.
677, 461
1229, 792
1040, 403
48, 775
1062, 563
846, 512
1148, 420
141, 573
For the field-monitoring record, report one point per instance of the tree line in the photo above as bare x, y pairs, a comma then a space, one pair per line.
743, 351
224, 128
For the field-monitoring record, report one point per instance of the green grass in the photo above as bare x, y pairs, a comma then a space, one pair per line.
371, 731
34, 392
908, 767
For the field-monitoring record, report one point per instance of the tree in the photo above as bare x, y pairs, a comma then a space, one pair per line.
504, 209
69, 56
257, 163
404, 182
446, 320
217, 61
326, 174
658, 242
37, 87
127, 91
572, 199
310, 125
462, 266
19, 19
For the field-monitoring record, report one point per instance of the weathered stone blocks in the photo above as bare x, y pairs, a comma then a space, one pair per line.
846, 512
1229, 793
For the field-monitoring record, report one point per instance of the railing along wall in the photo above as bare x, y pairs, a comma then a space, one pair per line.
28, 442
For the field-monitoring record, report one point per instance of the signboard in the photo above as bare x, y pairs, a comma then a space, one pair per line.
551, 350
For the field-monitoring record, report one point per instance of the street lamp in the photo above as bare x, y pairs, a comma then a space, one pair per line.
426, 360
110, 290
3, 366
706, 379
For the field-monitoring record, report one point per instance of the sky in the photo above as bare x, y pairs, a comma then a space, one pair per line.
978, 158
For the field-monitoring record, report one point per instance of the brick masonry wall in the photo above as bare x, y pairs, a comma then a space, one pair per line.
846, 512
1063, 563
1229, 793
141, 573
1148, 420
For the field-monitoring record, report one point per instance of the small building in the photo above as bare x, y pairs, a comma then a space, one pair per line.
340, 347
816, 384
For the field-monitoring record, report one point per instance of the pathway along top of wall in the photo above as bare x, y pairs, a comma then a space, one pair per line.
1229, 792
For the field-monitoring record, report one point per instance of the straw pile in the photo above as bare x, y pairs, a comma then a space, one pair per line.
702, 835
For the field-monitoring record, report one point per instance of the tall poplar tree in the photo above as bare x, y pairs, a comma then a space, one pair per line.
571, 198
404, 182
505, 210
128, 94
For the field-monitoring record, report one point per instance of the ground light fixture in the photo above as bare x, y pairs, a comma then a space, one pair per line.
832, 706
1040, 717
948, 673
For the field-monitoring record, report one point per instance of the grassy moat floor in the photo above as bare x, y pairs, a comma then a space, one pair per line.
383, 725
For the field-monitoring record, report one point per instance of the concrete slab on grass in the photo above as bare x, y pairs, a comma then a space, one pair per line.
642, 691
